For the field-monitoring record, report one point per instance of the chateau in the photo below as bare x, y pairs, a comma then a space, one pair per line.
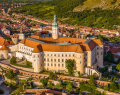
50, 53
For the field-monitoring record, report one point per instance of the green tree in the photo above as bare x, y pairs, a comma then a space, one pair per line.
92, 81
9, 74
69, 86
110, 57
7, 38
106, 88
13, 60
50, 84
70, 66
118, 67
51, 75
44, 82
113, 86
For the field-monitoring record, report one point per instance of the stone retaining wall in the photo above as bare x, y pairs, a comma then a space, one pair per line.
61, 77
38, 91
11, 81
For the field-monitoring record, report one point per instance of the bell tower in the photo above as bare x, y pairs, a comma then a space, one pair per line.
55, 29
21, 35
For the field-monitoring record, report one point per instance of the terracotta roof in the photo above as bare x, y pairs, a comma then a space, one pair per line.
48, 44
114, 50
97, 42
106, 48
10, 42
22, 41
3, 41
116, 56
4, 48
62, 48
37, 49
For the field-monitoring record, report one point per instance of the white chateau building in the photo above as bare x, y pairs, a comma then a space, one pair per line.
50, 53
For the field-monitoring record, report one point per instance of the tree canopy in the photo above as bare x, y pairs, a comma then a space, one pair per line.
9, 74
118, 67
97, 17
70, 66
13, 60
44, 82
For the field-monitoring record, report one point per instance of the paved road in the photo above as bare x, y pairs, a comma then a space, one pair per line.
5, 89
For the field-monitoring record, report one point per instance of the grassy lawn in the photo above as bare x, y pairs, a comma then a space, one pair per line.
27, 64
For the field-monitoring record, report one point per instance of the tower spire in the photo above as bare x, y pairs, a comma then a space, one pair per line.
21, 31
55, 19
55, 24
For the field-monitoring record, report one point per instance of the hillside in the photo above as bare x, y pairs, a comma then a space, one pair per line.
104, 4
97, 17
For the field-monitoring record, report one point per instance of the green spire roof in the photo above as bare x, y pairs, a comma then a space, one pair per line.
21, 30
55, 24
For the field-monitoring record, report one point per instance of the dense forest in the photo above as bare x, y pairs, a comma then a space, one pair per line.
97, 18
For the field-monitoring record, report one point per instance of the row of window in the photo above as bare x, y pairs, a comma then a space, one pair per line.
26, 48
47, 64
54, 60
59, 55
98, 53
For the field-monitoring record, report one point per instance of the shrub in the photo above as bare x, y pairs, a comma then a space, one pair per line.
51, 75
29, 79
13, 60
44, 82
9, 74
28, 64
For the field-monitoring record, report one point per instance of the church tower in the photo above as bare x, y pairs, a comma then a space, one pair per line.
21, 35
55, 29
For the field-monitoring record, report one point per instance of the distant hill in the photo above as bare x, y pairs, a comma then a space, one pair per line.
92, 13
104, 4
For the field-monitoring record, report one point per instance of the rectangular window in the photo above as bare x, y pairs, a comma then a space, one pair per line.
58, 65
47, 54
58, 60
62, 60
51, 60
54, 54
73, 55
47, 59
48, 64
62, 55
54, 60
44, 59
97, 53
69, 55
66, 55
55, 65
51, 64
62, 65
